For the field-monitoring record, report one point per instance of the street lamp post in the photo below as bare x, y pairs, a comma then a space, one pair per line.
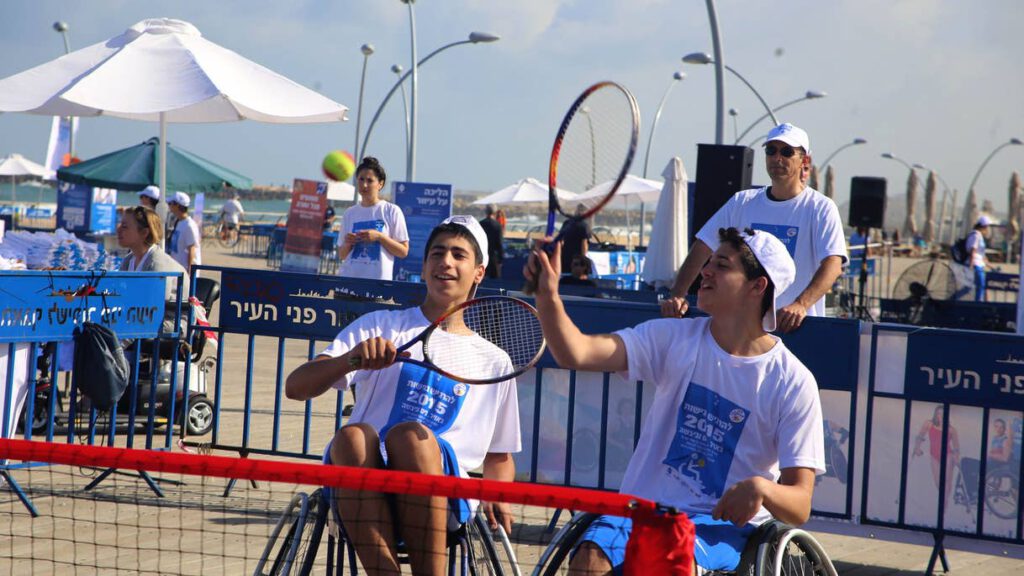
474, 38
809, 95
397, 69
367, 50
856, 142
676, 77
1011, 142
735, 124
410, 167
705, 58
716, 46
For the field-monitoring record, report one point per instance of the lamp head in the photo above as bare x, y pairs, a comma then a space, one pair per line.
366, 49
397, 68
698, 58
888, 155
485, 37
919, 166
733, 112
678, 75
60, 26
859, 141
1016, 141
812, 94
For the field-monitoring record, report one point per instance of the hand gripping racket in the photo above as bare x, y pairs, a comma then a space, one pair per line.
469, 343
595, 146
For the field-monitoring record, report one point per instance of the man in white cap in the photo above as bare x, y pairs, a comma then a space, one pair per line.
149, 197
805, 220
976, 248
412, 419
734, 435
231, 213
186, 238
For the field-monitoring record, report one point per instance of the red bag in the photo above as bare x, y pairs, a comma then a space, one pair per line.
661, 543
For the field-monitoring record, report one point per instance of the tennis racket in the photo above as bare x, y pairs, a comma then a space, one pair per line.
595, 146
468, 342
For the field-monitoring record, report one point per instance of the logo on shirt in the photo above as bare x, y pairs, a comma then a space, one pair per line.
460, 389
788, 235
426, 397
367, 250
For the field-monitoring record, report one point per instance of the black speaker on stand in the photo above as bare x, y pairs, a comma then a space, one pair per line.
867, 210
721, 172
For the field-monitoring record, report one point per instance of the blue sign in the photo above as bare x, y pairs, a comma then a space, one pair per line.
47, 306
74, 206
838, 369
424, 207
103, 214
973, 368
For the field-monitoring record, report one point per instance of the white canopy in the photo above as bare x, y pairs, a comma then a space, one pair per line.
634, 189
525, 191
340, 191
18, 165
667, 248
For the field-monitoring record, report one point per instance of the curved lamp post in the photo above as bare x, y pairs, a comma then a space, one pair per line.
397, 69
474, 38
716, 46
705, 58
676, 77
1012, 142
856, 142
809, 95
367, 50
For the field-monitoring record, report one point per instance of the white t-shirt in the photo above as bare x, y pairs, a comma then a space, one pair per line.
809, 225
186, 233
370, 259
976, 242
475, 420
232, 209
716, 419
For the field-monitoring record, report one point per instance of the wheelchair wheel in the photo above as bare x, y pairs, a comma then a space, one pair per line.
1002, 493
554, 560
305, 517
481, 555
793, 552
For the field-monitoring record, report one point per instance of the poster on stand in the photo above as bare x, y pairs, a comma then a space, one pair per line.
73, 206
304, 238
424, 206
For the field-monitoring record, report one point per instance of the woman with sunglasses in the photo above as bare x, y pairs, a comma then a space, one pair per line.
805, 220
141, 232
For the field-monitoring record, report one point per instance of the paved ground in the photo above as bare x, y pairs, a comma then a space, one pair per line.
201, 531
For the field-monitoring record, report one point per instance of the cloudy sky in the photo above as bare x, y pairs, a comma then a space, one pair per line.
936, 82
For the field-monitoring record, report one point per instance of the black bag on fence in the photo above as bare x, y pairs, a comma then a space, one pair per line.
101, 369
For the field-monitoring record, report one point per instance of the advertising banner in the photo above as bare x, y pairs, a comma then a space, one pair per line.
424, 206
103, 212
73, 206
304, 237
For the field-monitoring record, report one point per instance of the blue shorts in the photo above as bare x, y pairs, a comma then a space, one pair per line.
458, 508
717, 547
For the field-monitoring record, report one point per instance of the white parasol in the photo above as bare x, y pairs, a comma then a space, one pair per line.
668, 248
525, 191
17, 165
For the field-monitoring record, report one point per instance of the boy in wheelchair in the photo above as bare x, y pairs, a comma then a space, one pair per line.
411, 419
734, 434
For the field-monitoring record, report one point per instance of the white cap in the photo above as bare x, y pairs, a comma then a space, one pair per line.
984, 221
181, 199
791, 135
150, 192
470, 223
771, 253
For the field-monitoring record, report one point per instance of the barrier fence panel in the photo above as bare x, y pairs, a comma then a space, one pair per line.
944, 412
40, 312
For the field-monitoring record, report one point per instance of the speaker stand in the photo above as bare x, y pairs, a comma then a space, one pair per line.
861, 311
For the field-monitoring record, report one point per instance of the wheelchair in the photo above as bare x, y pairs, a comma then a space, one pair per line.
774, 549
471, 547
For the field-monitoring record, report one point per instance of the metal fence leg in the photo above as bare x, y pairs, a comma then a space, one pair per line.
19, 492
938, 553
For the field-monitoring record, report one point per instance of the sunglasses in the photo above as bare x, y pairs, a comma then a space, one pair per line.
786, 151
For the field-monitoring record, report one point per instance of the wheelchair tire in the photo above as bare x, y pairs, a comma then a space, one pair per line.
278, 547
554, 560
1002, 493
312, 531
481, 554
793, 552
305, 517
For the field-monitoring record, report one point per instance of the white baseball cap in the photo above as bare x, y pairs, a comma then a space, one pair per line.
470, 223
984, 221
791, 135
773, 256
150, 192
181, 199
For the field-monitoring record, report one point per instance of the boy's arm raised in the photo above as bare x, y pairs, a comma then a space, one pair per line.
570, 347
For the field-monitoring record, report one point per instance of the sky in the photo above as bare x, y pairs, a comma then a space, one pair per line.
935, 82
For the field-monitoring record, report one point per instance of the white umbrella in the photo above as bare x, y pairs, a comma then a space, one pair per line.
340, 191
17, 165
632, 188
163, 70
667, 248
525, 191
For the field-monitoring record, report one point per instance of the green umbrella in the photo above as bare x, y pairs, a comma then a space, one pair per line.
136, 167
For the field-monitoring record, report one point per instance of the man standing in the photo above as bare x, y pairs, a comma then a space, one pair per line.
806, 221
495, 241
976, 249
575, 238
149, 197
186, 237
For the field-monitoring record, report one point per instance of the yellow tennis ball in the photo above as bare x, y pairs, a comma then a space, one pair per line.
338, 165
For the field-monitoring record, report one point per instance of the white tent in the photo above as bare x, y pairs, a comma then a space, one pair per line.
340, 191
17, 165
525, 191
634, 189
163, 70
667, 248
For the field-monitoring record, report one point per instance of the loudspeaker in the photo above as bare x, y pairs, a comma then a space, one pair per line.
867, 202
721, 172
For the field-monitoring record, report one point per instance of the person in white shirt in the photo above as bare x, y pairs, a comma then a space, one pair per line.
149, 196
186, 238
805, 220
976, 249
734, 435
373, 232
412, 419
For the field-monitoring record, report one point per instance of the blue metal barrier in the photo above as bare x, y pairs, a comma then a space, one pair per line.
47, 307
